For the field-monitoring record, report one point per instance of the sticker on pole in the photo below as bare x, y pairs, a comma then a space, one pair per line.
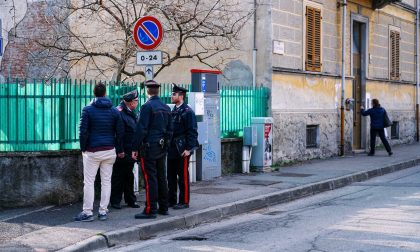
148, 33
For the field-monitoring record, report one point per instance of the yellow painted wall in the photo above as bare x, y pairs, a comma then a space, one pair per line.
307, 92
393, 96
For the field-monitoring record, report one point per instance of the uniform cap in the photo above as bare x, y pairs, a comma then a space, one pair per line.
130, 96
151, 84
177, 89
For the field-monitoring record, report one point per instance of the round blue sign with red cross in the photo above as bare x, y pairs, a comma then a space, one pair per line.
148, 33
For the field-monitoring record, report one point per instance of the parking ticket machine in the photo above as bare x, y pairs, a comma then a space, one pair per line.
204, 99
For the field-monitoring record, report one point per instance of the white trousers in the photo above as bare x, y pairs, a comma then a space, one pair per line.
103, 160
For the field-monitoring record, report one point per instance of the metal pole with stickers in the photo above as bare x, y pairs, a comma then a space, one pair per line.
262, 154
147, 34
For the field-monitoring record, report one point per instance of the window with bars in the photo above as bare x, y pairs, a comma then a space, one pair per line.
395, 130
313, 39
394, 55
312, 136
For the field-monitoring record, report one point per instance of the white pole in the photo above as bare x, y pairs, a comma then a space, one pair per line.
192, 168
245, 159
136, 177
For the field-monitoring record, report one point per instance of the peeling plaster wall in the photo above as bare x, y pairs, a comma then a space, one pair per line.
11, 13
23, 56
237, 69
290, 135
303, 100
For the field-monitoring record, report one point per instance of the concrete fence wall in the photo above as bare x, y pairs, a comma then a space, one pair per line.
39, 178
56, 177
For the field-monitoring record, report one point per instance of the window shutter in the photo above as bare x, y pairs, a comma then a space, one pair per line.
395, 55
313, 39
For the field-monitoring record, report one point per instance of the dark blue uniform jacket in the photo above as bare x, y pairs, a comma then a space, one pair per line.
100, 126
185, 131
129, 119
154, 124
377, 116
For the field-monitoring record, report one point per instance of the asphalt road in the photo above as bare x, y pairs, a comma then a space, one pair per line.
381, 214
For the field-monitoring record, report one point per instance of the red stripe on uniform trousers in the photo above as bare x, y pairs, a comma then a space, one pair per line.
186, 199
146, 180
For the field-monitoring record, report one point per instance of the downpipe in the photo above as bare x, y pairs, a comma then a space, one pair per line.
254, 50
343, 73
417, 70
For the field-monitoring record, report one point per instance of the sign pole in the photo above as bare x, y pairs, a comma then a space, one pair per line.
148, 33
148, 72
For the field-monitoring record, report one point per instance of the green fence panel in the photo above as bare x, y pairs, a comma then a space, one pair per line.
238, 105
40, 116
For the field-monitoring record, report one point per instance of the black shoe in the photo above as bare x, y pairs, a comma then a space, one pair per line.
170, 205
163, 212
116, 206
390, 153
371, 154
181, 206
134, 205
145, 216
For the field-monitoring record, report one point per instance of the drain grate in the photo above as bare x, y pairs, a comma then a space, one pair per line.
214, 190
190, 238
259, 182
274, 212
295, 175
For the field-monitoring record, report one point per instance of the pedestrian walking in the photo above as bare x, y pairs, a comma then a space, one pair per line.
122, 181
100, 134
377, 125
153, 133
183, 144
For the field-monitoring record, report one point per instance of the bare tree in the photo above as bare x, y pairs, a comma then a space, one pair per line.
96, 35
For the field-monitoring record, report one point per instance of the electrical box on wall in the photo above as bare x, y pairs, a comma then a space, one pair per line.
250, 136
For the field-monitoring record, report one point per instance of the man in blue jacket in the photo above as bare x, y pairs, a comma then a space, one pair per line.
100, 133
153, 133
377, 119
122, 180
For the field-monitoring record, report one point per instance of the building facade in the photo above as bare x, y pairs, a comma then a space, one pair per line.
306, 77
298, 46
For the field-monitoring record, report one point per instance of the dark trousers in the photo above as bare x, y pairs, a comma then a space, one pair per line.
381, 133
122, 181
178, 175
156, 184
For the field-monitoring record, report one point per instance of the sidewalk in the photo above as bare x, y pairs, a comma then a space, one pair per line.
52, 228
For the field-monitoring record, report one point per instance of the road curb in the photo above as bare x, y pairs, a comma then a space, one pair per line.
92, 243
217, 213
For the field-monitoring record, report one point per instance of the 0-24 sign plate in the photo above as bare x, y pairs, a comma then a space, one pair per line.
149, 58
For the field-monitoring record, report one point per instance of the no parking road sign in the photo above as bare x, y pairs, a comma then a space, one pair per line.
148, 33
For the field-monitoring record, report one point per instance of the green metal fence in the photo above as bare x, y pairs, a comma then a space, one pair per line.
39, 116
238, 105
